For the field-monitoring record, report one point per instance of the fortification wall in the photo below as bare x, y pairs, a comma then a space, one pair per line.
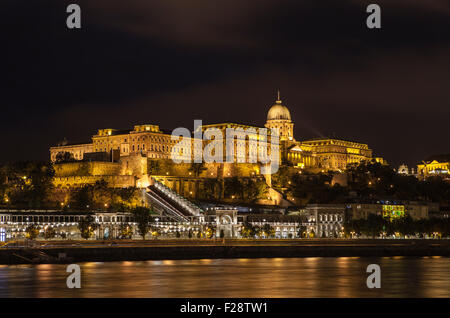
95, 168
135, 165
212, 170
79, 181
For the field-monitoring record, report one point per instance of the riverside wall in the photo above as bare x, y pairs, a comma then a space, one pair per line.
232, 249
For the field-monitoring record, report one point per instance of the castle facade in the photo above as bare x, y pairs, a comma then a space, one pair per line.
129, 156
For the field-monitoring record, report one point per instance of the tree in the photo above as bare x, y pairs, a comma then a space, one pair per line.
209, 232
257, 230
212, 189
247, 230
255, 189
197, 168
316, 188
374, 180
87, 226
233, 187
268, 230
374, 225
64, 157
82, 198
101, 194
124, 199
125, 231
49, 232
282, 177
27, 183
41, 175
142, 218
4, 184
32, 232
422, 227
302, 231
405, 225
156, 233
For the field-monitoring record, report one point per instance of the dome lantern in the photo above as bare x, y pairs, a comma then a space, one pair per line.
278, 111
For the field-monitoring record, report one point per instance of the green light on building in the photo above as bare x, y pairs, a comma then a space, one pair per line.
393, 211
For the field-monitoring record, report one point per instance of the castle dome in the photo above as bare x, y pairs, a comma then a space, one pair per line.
278, 111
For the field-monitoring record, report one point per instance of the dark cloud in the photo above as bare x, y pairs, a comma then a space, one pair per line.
170, 61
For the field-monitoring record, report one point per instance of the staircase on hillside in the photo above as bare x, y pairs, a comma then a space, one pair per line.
171, 203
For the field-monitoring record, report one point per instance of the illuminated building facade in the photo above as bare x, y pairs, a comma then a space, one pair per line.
393, 211
13, 224
319, 153
132, 150
325, 220
335, 154
438, 165
388, 209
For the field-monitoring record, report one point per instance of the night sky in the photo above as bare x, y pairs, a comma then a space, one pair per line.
168, 62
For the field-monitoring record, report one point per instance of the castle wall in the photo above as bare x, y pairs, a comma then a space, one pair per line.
212, 170
135, 165
78, 151
94, 168
79, 181
77, 174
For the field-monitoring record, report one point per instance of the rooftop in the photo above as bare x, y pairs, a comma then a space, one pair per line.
438, 158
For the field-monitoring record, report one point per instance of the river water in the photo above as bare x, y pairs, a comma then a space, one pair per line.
269, 277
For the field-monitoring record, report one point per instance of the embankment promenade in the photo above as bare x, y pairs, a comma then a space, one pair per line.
104, 251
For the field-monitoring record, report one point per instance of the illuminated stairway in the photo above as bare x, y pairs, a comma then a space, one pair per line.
174, 205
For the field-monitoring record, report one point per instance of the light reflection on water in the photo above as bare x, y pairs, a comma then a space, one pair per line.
277, 277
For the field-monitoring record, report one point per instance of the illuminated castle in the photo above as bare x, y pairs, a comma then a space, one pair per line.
127, 155
320, 153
